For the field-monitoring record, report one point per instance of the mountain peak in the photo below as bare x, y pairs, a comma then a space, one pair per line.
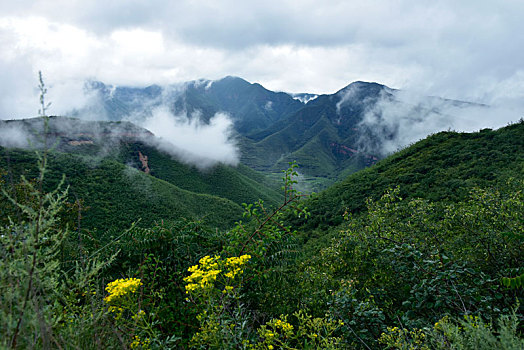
233, 79
363, 85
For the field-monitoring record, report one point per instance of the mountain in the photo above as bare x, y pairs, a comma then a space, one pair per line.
117, 169
323, 137
251, 106
335, 135
108, 102
330, 136
443, 167
273, 127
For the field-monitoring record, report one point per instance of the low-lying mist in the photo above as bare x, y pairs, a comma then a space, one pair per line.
399, 118
191, 140
187, 138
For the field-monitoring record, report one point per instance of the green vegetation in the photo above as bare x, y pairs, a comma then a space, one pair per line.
443, 167
101, 160
114, 195
422, 251
239, 184
323, 137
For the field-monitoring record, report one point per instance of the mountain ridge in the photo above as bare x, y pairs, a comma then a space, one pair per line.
99, 154
349, 129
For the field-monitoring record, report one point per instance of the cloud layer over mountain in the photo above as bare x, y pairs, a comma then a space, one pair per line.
410, 117
191, 141
460, 50
465, 50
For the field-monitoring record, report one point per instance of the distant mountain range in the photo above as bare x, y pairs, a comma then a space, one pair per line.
330, 136
252, 107
116, 168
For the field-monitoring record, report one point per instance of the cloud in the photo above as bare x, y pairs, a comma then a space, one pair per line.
400, 118
458, 50
14, 136
348, 95
188, 139
191, 141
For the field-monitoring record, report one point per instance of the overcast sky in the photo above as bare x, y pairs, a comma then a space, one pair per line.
468, 49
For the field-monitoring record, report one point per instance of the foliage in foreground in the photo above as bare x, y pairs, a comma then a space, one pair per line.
406, 274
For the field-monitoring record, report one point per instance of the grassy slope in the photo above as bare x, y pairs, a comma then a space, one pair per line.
118, 195
310, 136
445, 166
119, 141
239, 184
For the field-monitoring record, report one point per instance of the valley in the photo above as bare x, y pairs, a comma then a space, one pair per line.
318, 233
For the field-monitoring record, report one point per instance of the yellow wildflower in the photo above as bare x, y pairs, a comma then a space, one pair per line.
139, 343
121, 287
204, 275
139, 315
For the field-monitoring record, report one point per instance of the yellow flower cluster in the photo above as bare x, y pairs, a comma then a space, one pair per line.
121, 287
139, 343
472, 320
234, 264
278, 323
204, 275
438, 325
139, 315
117, 310
402, 338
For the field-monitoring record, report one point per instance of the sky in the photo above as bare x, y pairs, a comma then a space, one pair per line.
469, 50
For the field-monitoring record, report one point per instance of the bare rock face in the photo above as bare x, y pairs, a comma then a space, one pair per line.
80, 142
143, 160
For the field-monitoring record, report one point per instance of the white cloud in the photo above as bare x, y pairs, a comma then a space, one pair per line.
463, 50
11, 136
393, 123
193, 142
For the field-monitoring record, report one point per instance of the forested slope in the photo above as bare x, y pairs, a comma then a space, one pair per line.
115, 195
444, 166
427, 256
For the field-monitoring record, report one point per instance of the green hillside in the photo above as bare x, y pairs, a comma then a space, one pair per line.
328, 138
239, 184
429, 255
116, 195
444, 166
124, 142
322, 137
101, 162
